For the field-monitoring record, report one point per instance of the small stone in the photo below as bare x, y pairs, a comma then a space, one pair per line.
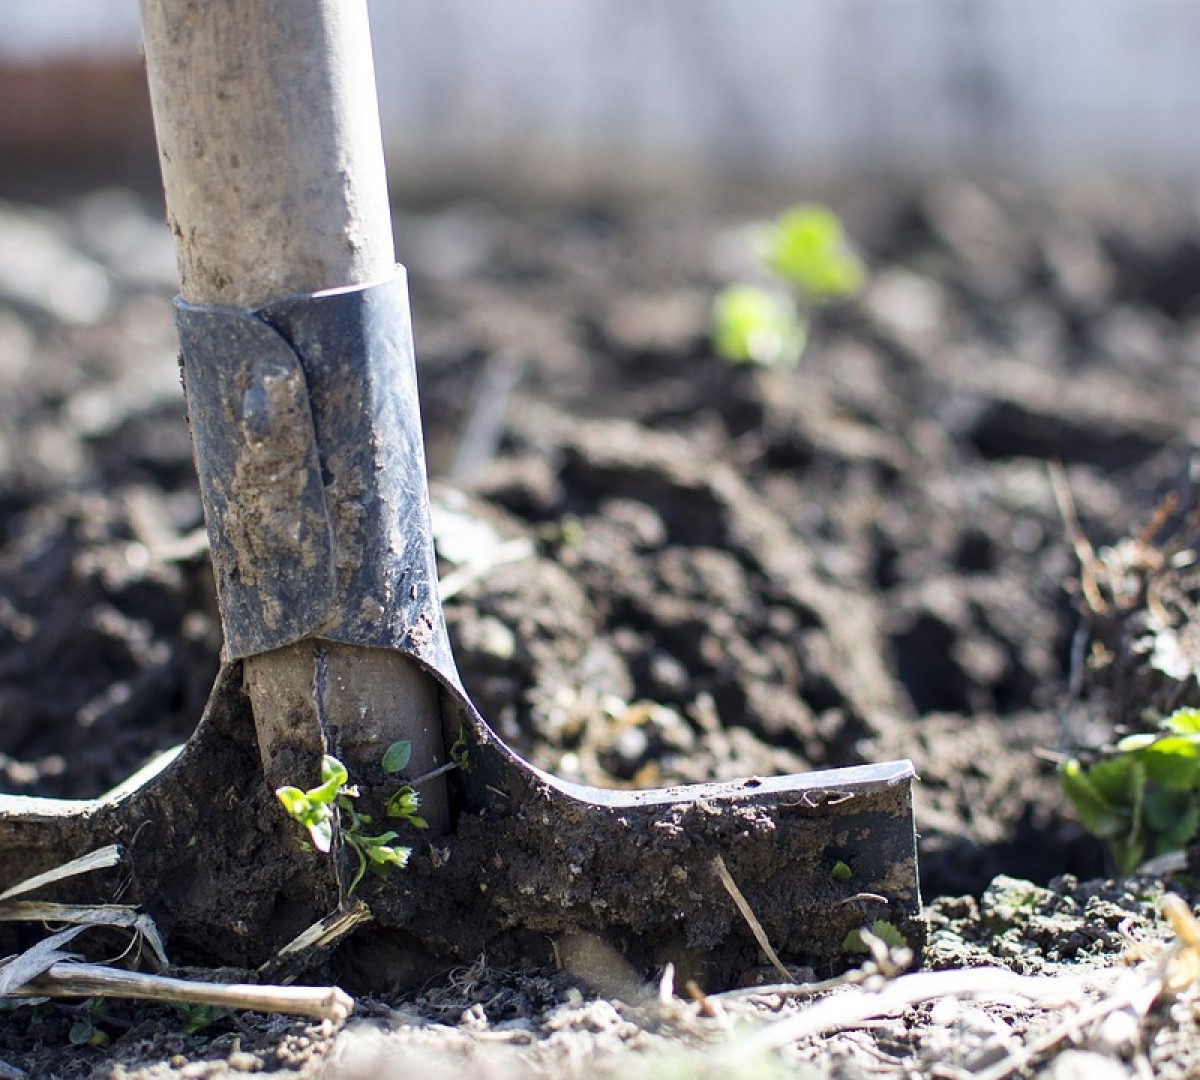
242, 1061
1084, 1065
474, 1018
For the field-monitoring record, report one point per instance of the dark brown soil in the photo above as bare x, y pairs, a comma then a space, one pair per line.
687, 570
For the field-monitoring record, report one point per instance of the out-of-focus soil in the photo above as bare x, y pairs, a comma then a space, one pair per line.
661, 568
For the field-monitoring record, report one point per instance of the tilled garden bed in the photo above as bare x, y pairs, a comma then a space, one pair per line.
660, 567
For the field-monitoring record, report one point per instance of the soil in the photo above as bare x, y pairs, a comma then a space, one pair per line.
663, 568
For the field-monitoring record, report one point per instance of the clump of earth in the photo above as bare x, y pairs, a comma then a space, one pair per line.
663, 568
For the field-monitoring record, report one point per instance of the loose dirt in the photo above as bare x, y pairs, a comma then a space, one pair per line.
661, 569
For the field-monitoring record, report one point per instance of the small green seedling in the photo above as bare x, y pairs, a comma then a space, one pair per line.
198, 1018
397, 756
887, 932
405, 802
807, 248
316, 808
459, 751
328, 809
86, 1030
1143, 798
841, 871
320, 810
807, 257
752, 325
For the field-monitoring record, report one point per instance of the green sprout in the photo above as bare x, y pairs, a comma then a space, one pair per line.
807, 248
887, 932
198, 1018
754, 326
86, 1030
328, 809
806, 255
841, 871
320, 810
459, 751
406, 801
1142, 797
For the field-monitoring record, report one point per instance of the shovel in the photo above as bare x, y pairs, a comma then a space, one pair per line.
301, 392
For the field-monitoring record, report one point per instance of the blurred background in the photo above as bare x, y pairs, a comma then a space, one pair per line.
569, 95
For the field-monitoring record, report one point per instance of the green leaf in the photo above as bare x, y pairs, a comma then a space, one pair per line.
1129, 852
1117, 779
362, 865
333, 770
841, 871
1133, 744
887, 932
397, 756
378, 841
1172, 761
390, 856
324, 794
1095, 812
295, 802
404, 803
807, 248
753, 326
321, 832
333, 777
81, 1034
198, 1017
1172, 818
459, 751
1183, 722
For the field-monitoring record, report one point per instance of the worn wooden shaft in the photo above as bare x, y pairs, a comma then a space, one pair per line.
272, 164
268, 134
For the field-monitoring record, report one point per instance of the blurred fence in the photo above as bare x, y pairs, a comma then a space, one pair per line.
561, 93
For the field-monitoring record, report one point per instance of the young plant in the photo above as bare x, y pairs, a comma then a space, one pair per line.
808, 260
320, 810
887, 932
459, 751
807, 248
405, 801
752, 325
1143, 798
198, 1018
86, 1030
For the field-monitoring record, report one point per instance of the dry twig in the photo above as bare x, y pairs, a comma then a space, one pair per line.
73, 980
46, 969
1084, 552
857, 1006
756, 928
323, 932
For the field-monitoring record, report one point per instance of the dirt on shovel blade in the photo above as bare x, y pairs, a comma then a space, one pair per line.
659, 568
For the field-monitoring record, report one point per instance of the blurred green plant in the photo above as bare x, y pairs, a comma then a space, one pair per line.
1143, 797
807, 248
754, 326
809, 261
198, 1018
885, 931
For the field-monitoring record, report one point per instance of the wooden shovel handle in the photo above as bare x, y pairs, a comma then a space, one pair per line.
268, 132
272, 162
